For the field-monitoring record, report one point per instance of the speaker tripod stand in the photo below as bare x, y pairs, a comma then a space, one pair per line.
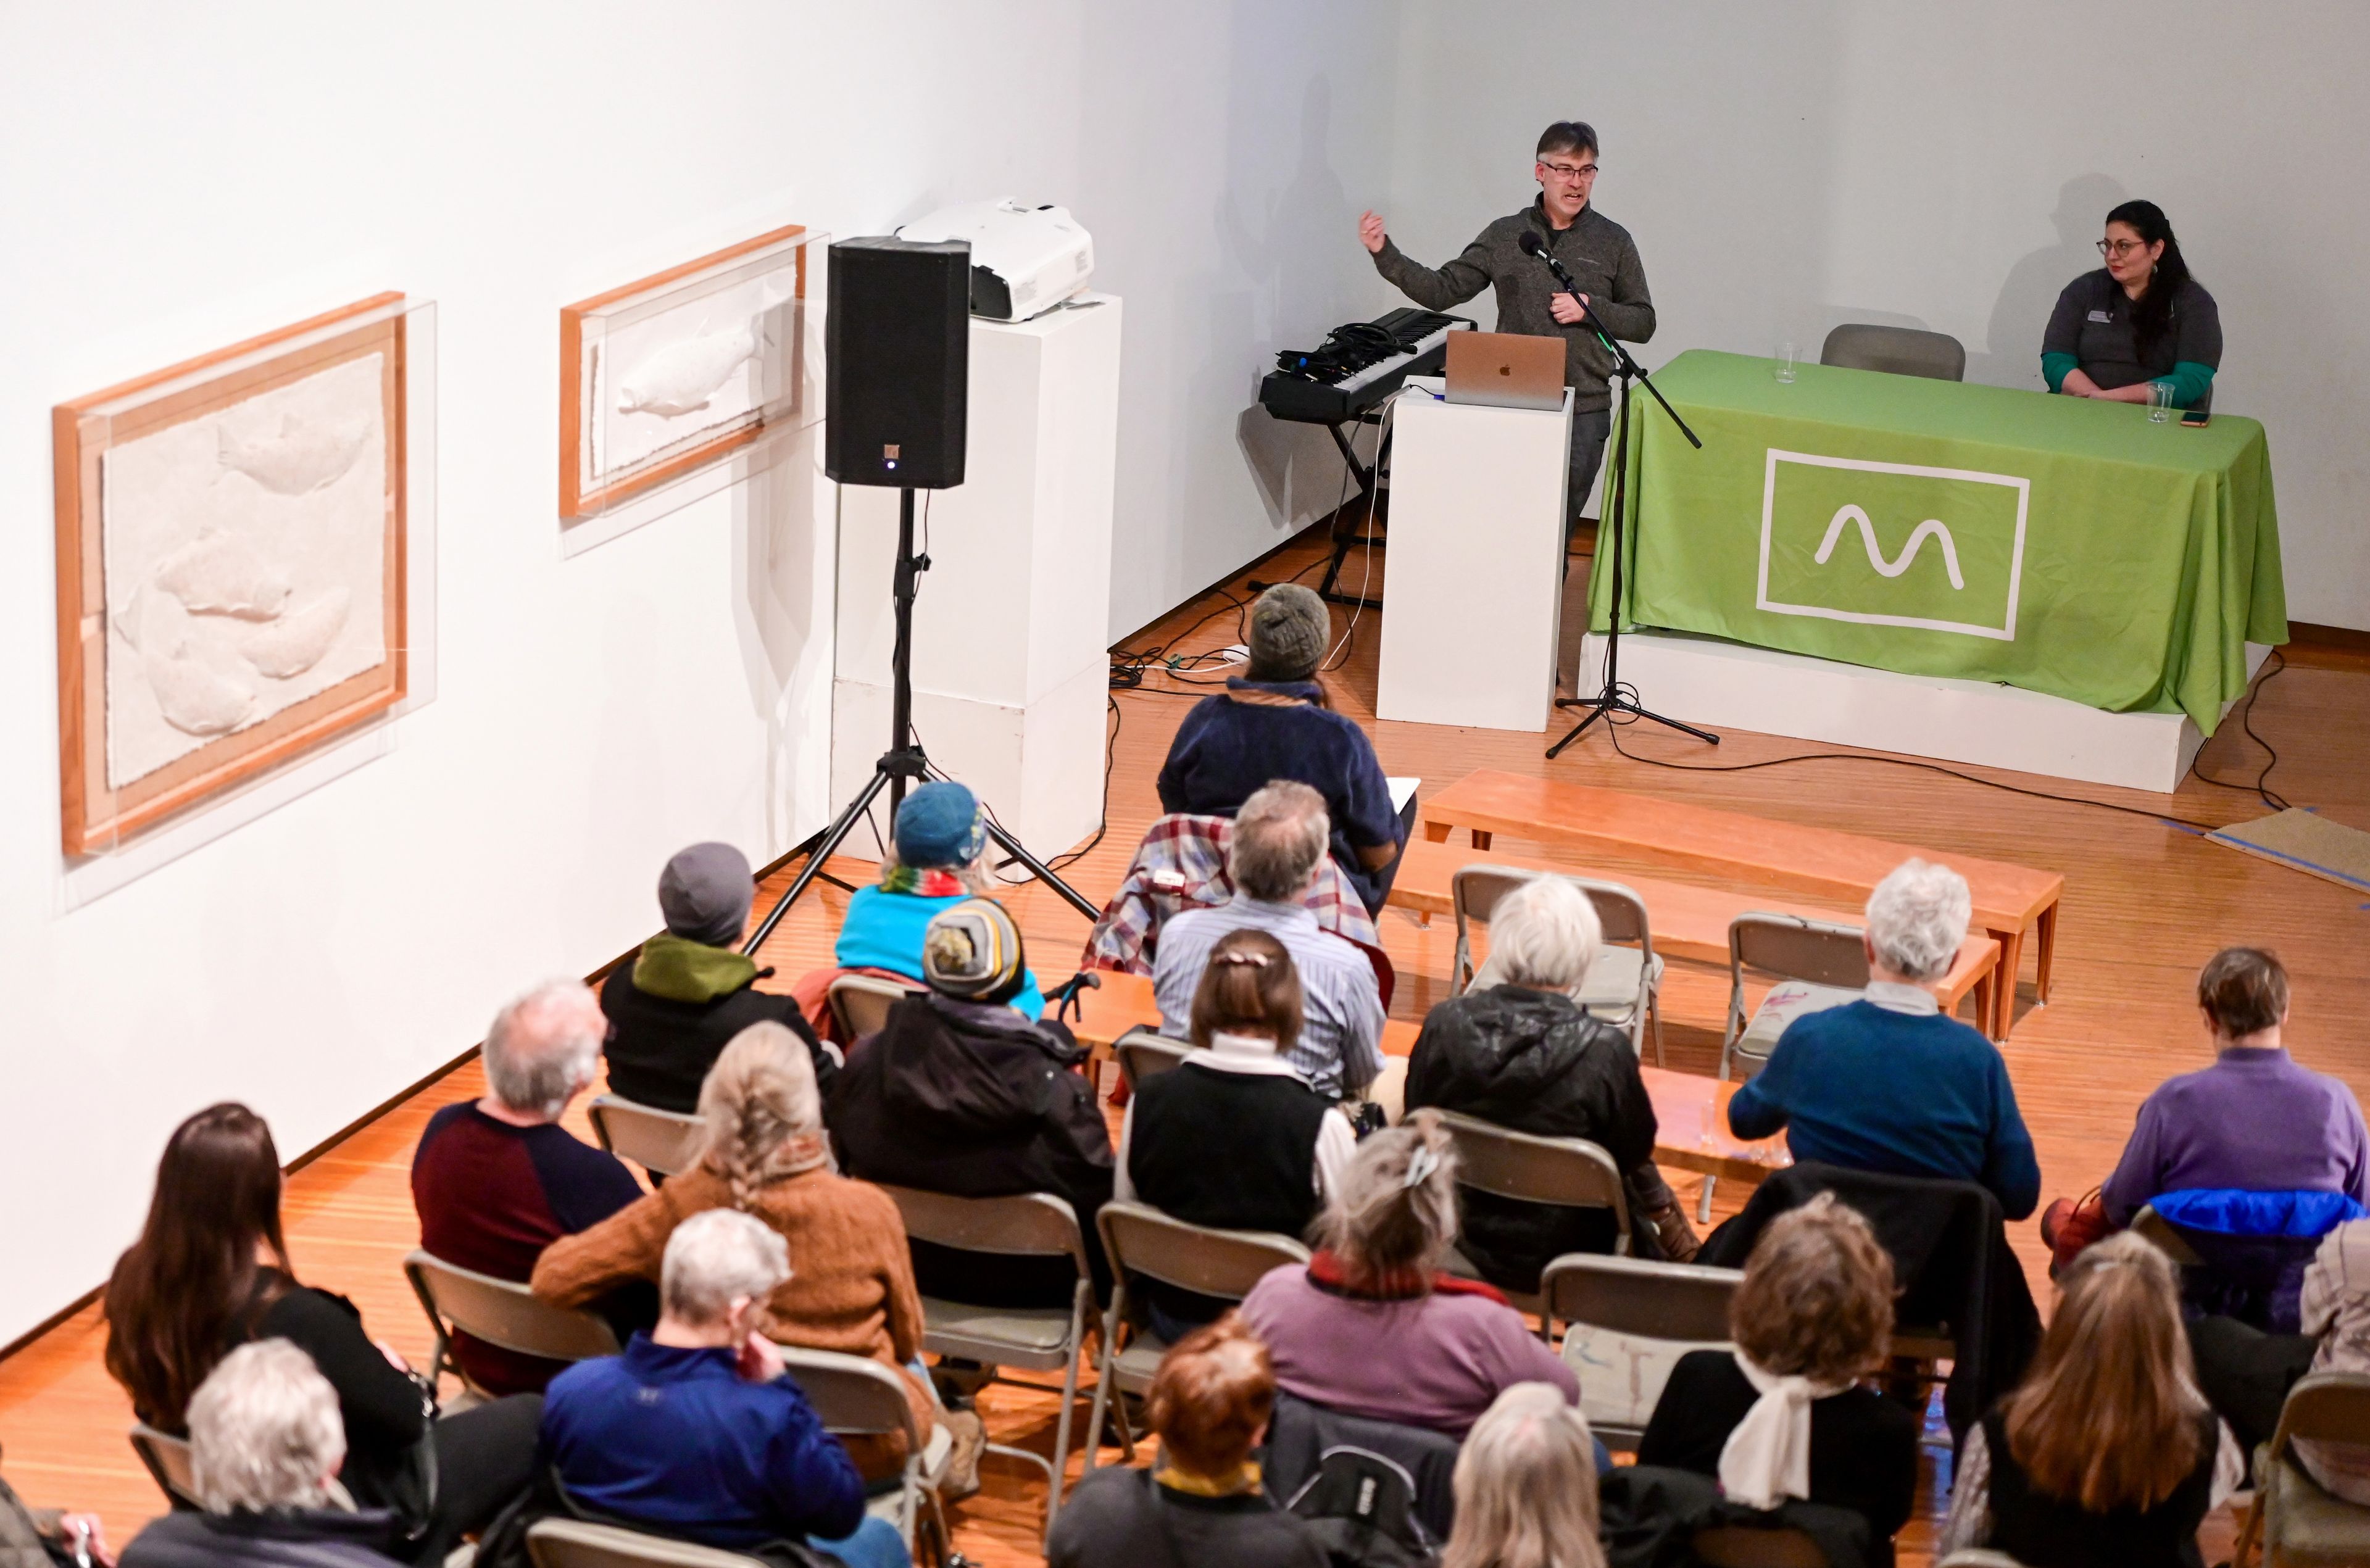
904, 761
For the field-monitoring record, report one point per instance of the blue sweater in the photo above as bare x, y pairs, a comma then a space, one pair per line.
884, 931
1899, 1094
678, 1440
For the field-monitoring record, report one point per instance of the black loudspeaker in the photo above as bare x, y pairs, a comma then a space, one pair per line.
897, 358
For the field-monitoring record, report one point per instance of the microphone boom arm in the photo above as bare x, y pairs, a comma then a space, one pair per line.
1621, 356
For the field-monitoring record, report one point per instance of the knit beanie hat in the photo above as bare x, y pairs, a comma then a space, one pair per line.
703, 893
1289, 626
940, 825
972, 950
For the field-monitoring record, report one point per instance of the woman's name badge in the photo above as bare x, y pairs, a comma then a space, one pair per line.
2100, 315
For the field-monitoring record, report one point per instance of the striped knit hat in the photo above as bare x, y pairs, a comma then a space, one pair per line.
972, 950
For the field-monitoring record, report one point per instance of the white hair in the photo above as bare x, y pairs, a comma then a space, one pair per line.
265, 1432
1917, 917
716, 1257
1525, 1486
545, 1046
1543, 936
1281, 833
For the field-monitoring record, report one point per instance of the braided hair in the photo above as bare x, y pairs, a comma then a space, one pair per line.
761, 1112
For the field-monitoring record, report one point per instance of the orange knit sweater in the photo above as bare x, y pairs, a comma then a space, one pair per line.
851, 1284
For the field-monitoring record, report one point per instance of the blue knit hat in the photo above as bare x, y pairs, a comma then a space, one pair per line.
940, 825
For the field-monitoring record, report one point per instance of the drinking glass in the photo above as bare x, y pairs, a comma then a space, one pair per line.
1785, 357
2159, 402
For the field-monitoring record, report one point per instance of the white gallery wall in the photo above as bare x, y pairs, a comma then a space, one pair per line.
1785, 167
177, 178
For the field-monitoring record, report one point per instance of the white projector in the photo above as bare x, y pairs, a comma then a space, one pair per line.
1024, 260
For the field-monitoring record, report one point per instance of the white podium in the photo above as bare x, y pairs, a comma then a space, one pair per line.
1011, 660
1473, 577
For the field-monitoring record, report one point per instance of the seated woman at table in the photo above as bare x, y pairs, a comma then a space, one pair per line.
2138, 321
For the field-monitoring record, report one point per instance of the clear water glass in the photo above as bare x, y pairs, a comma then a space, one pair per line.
1786, 357
2159, 402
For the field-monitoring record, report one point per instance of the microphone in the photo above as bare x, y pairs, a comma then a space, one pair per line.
1531, 245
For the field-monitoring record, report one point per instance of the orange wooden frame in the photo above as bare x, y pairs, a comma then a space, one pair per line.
575, 500
93, 815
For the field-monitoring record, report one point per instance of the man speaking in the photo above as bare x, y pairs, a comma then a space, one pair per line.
1596, 251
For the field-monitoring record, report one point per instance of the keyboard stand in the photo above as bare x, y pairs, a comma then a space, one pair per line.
1365, 506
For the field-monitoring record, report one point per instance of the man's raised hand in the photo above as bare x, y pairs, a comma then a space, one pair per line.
1370, 232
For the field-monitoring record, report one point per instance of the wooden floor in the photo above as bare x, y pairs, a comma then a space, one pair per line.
2146, 902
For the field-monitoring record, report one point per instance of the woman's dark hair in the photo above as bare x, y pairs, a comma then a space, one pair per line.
177, 1294
1251, 985
2152, 312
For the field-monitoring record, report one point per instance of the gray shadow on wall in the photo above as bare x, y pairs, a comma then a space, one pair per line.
780, 510
2012, 342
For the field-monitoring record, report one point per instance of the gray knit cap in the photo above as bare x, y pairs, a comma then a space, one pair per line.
705, 892
1289, 626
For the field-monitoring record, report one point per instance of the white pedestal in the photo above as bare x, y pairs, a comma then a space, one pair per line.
1010, 663
1473, 577
1724, 685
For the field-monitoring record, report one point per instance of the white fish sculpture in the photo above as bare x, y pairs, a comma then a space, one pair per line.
218, 573
681, 377
197, 695
296, 459
295, 642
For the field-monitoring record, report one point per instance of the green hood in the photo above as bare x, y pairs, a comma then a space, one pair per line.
682, 971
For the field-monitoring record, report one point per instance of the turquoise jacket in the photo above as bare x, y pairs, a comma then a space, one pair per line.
884, 931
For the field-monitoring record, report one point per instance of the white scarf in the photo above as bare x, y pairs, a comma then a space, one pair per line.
1767, 1459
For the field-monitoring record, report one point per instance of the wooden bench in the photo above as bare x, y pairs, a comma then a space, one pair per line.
1688, 922
1819, 862
1690, 1110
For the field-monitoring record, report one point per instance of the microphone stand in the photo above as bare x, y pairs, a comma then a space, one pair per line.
1613, 699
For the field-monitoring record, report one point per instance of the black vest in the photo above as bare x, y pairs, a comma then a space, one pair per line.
1232, 1150
2055, 1532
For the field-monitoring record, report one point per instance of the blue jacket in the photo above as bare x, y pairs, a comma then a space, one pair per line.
884, 931
679, 1440
1898, 1093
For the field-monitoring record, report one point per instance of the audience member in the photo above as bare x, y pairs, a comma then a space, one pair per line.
1887, 1084
1203, 1507
2246, 1373
687, 993
696, 1430
1370, 1327
47, 1537
2255, 1120
1784, 1415
496, 1180
940, 860
1274, 722
1526, 1486
1279, 842
210, 1272
2108, 1456
765, 1153
1234, 1139
265, 1446
1515, 1051
959, 1093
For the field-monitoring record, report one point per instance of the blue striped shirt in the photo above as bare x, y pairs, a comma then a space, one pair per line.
1341, 1018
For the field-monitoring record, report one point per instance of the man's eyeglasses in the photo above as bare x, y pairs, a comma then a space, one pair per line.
2120, 247
1570, 171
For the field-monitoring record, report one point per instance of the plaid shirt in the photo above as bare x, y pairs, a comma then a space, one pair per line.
1180, 865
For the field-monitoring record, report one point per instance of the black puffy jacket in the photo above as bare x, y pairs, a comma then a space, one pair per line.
1533, 1062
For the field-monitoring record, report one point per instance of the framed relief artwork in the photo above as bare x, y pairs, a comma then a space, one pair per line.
668, 374
232, 566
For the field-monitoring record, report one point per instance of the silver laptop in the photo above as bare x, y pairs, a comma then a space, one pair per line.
1505, 369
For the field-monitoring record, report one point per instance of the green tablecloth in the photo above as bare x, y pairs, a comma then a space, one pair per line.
2057, 543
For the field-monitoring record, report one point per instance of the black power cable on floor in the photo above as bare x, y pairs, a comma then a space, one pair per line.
2260, 788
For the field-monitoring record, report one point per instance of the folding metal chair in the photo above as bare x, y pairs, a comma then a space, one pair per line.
860, 1003
502, 1312
1628, 1320
1569, 1172
2294, 1520
665, 1143
856, 1396
1141, 1239
1038, 1338
1146, 1053
1623, 986
1821, 965
578, 1543
167, 1461
1901, 350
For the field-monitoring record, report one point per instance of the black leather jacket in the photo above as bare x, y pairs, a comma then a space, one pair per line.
1532, 1061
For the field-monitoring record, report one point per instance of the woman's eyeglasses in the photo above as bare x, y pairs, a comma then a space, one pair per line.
2119, 249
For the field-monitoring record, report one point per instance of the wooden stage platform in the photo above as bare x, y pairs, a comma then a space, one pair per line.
2144, 903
